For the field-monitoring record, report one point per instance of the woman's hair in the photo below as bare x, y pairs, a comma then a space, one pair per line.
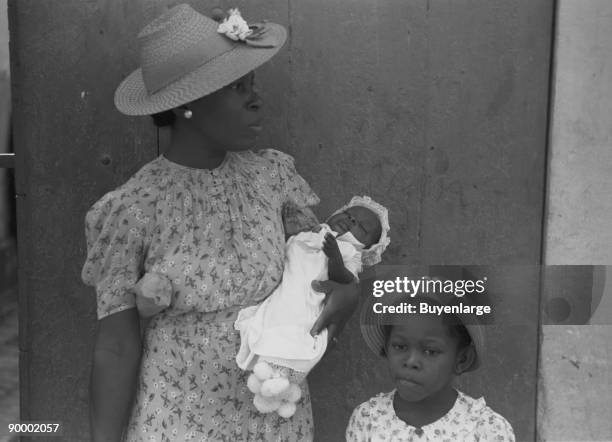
165, 118
455, 328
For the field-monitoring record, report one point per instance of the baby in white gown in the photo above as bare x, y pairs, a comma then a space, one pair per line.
275, 335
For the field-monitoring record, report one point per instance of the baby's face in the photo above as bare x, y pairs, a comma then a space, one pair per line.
360, 221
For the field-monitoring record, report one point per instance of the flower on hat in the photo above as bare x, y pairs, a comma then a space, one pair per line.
234, 26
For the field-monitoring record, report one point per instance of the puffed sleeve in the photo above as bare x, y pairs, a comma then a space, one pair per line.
495, 428
297, 195
115, 229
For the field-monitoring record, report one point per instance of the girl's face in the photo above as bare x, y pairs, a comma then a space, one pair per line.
422, 357
360, 221
230, 117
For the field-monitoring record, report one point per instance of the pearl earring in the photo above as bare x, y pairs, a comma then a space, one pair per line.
188, 114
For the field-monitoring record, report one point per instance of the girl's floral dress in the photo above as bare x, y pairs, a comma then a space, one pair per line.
218, 235
470, 420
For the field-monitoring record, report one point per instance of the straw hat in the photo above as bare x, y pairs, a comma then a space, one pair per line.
184, 56
372, 323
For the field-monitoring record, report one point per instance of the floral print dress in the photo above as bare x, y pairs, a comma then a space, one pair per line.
470, 420
218, 235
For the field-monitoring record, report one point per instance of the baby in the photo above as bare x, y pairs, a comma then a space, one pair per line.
275, 335
424, 353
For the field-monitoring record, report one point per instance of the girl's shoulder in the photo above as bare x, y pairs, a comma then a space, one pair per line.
374, 417
486, 422
381, 403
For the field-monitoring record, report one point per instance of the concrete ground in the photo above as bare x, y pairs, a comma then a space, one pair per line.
9, 368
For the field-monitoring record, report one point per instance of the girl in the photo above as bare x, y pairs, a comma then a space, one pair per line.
211, 216
424, 352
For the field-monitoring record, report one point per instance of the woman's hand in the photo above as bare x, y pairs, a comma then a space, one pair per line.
341, 300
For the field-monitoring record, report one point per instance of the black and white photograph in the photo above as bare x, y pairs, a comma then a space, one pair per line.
305, 220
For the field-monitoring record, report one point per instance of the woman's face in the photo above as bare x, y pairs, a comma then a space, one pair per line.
422, 356
230, 117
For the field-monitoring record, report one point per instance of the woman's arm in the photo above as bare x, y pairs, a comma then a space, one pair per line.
114, 374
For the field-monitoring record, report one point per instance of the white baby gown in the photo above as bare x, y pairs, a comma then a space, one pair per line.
278, 330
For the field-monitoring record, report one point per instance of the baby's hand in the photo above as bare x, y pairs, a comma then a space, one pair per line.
330, 247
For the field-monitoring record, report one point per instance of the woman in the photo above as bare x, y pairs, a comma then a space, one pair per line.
209, 215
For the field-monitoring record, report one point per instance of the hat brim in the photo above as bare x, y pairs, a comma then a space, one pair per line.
132, 98
372, 323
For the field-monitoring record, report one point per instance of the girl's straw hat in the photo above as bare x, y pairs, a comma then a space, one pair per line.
185, 55
372, 323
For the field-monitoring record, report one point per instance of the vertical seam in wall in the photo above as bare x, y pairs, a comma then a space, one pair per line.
549, 127
540, 337
545, 208
20, 180
290, 95
423, 181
